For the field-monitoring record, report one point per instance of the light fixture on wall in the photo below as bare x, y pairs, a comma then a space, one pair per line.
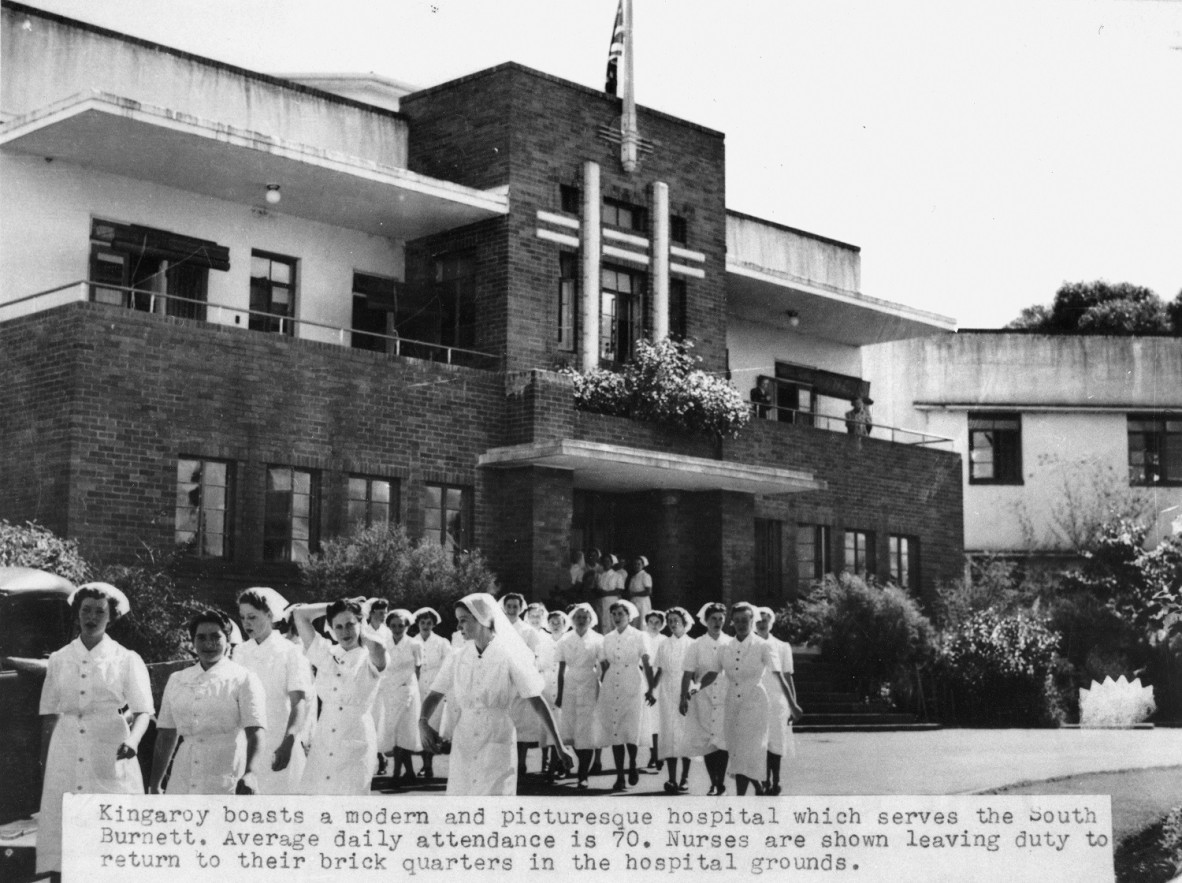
273, 194
793, 317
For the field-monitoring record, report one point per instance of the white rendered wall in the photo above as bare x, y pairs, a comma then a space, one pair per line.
45, 238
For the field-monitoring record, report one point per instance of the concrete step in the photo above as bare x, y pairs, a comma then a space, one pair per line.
864, 718
804, 727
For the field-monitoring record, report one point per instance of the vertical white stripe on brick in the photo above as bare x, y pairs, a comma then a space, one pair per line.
660, 263
589, 336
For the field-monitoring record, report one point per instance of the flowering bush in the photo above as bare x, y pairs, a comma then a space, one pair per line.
31, 545
661, 384
998, 669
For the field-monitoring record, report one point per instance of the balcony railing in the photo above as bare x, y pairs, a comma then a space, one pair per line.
895, 434
203, 311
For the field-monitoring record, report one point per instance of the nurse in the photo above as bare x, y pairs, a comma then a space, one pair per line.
87, 746
286, 677
219, 708
783, 709
557, 625
703, 709
624, 662
436, 650
745, 660
667, 684
483, 680
650, 722
578, 686
344, 749
399, 695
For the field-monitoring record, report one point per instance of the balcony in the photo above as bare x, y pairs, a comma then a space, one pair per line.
832, 423
142, 300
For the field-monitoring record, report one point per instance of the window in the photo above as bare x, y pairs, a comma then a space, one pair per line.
290, 529
859, 551
567, 294
623, 214
621, 313
995, 449
272, 293
1155, 449
445, 515
203, 495
373, 302
454, 294
372, 501
678, 305
678, 229
130, 263
904, 563
768, 557
812, 552
570, 198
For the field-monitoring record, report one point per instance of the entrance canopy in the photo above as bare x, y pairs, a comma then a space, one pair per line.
616, 468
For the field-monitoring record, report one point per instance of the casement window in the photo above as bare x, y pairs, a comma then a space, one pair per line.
678, 230
371, 501
995, 448
447, 515
570, 199
272, 293
1155, 449
625, 215
769, 571
813, 558
568, 288
678, 308
204, 494
859, 552
903, 552
292, 514
621, 313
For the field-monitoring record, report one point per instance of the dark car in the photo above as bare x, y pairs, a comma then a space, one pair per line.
34, 622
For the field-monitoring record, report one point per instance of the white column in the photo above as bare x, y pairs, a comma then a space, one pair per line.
589, 337
660, 259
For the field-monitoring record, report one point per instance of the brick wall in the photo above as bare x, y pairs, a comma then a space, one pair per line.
510, 125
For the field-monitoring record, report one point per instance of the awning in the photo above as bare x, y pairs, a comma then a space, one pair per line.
112, 134
616, 468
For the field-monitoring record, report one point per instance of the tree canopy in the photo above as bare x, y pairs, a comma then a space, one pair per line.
1102, 307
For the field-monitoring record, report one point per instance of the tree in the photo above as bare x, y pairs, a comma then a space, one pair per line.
1102, 307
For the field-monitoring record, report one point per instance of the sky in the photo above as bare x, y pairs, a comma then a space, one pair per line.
980, 154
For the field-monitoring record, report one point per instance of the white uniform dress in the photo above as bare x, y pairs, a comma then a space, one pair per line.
613, 582
779, 722
525, 719
344, 750
640, 593
548, 666
282, 669
86, 688
621, 692
672, 724
482, 688
580, 688
704, 731
436, 650
399, 696
211, 709
650, 720
745, 663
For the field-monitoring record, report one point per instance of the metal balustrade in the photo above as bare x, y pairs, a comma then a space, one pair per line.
832, 423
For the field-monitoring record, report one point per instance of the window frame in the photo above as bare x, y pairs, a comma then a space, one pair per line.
1006, 459
903, 560
821, 555
463, 542
768, 558
227, 533
568, 299
271, 518
267, 319
612, 348
613, 212
392, 504
863, 552
1154, 444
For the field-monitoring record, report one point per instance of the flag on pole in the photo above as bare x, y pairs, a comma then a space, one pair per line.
615, 51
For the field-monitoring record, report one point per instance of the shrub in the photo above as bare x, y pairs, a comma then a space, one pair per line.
661, 384
875, 635
997, 669
31, 545
382, 562
156, 628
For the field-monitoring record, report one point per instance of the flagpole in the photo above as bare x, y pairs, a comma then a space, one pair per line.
629, 134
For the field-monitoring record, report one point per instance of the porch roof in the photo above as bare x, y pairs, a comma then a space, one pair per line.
603, 467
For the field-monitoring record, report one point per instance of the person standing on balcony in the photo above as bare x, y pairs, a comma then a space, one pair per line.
87, 682
761, 398
857, 419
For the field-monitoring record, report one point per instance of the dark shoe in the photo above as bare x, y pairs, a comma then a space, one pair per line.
653, 763
721, 790
671, 788
633, 776
620, 785
683, 786
713, 791
773, 791
582, 785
